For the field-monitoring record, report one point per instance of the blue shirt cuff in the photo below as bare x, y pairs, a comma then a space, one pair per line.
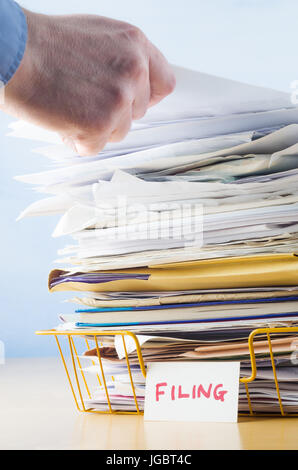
13, 38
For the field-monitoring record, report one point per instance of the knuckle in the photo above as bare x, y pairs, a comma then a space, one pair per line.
139, 113
84, 148
88, 144
92, 117
82, 118
100, 122
116, 138
118, 97
89, 124
131, 67
140, 71
82, 137
135, 34
170, 85
86, 152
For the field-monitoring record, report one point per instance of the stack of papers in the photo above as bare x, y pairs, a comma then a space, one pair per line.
185, 233
262, 390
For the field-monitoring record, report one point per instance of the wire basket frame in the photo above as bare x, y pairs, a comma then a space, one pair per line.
78, 381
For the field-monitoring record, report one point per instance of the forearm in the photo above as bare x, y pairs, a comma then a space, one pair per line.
13, 37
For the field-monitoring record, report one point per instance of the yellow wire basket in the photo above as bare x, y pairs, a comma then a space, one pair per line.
82, 391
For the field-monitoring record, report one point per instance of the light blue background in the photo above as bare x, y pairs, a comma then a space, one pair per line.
254, 41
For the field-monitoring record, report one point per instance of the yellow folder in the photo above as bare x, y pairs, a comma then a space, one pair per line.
253, 271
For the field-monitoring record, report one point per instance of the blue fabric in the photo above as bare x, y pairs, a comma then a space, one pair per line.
13, 38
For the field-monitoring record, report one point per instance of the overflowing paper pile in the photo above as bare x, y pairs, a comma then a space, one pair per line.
185, 233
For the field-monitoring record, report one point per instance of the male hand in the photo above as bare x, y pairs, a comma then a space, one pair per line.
86, 77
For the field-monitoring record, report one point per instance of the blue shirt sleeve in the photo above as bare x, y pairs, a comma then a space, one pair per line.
13, 38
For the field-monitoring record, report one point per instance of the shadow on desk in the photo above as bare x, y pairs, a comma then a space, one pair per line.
131, 432
46, 418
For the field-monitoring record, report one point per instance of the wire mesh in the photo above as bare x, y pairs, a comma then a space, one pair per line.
81, 389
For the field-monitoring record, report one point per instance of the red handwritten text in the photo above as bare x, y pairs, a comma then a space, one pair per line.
176, 392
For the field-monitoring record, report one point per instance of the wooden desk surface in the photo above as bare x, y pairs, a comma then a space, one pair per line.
37, 412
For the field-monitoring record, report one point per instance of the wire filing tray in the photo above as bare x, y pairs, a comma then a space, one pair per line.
78, 379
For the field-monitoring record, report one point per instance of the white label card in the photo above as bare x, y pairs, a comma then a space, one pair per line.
192, 391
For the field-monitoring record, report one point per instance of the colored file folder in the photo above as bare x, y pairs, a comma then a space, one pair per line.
270, 270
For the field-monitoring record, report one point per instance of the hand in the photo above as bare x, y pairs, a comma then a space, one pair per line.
86, 77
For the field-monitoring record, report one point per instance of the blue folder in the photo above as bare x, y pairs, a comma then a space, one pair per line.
209, 320
187, 305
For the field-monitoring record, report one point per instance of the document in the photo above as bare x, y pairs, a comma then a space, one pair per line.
185, 234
